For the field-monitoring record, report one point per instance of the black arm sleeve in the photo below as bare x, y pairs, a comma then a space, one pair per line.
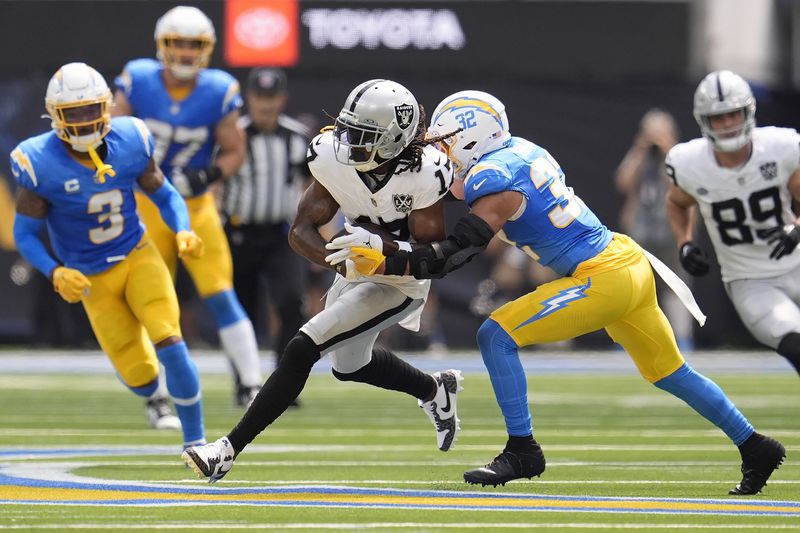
470, 237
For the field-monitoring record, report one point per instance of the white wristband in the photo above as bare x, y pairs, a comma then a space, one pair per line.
404, 245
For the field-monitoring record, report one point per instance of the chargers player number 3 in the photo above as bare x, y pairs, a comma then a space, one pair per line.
108, 206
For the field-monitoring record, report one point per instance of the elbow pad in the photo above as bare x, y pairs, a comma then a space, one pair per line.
469, 238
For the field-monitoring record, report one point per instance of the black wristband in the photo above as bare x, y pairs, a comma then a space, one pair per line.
395, 264
213, 173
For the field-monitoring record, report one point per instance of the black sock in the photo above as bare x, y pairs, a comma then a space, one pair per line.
388, 371
279, 391
790, 349
520, 444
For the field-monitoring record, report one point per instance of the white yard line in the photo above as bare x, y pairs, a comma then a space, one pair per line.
218, 526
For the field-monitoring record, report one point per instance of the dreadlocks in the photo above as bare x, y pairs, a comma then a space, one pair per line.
411, 156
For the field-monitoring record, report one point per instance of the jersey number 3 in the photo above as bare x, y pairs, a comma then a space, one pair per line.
107, 206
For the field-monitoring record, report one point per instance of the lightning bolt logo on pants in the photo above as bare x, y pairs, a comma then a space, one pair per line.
558, 301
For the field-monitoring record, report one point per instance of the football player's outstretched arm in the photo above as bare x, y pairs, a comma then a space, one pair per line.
316, 208
231, 141
681, 214
172, 208
470, 237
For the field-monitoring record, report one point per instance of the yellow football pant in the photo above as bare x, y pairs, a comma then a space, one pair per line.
213, 272
614, 290
132, 306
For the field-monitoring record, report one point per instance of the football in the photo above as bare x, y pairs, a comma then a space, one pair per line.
389, 246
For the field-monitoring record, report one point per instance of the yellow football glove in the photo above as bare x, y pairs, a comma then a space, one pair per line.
70, 284
366, 260
189, 244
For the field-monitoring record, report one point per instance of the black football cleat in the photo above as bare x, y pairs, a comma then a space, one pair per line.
761, 456
509, 466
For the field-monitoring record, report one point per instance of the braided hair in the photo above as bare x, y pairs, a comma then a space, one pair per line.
411, 156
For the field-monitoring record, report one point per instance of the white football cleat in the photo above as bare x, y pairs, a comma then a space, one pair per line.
442, 408
160, 415
210, 460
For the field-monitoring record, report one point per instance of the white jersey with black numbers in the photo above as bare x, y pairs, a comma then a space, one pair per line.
388, 203
740, 206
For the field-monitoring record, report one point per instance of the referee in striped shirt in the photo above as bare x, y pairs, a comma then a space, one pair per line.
259, 204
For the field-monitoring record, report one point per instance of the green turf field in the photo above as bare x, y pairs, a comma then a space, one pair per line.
329, 464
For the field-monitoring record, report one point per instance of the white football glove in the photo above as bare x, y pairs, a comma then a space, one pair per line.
356, 237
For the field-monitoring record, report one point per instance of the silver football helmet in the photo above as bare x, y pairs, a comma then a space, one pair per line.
378, 120
483, 124
724, 92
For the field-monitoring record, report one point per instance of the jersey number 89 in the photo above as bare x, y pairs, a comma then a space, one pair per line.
730, 215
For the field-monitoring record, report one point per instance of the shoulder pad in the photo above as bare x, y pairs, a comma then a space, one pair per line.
22, 168
484, 179
144, 134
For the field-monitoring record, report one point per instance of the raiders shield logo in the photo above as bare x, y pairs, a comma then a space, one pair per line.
769, 170
404, 115
403, 202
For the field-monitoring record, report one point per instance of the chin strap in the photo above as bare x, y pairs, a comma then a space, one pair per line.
103, 169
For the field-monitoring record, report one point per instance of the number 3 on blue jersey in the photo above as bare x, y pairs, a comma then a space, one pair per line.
544, 171
108, 206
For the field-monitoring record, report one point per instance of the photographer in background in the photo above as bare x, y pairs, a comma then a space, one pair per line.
642, 178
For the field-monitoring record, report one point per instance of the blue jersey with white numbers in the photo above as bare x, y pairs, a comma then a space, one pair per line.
92, 225
555, 228
183, 130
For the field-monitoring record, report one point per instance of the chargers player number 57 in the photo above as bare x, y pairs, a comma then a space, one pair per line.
165, 134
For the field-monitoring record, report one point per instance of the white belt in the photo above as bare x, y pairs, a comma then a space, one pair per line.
677, 285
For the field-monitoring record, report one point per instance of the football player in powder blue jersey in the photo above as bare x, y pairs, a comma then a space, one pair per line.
516, 190
78, 180
192, 112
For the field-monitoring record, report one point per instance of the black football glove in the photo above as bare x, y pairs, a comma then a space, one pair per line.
693, 259
785, 241
193, 181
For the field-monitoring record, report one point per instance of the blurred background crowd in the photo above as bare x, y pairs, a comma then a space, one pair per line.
605, 85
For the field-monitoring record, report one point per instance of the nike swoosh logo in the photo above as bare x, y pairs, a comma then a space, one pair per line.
478, 185
446, 408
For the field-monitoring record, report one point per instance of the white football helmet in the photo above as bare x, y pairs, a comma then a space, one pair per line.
723, 92
378, 120
483, 123
185, 39
78, 102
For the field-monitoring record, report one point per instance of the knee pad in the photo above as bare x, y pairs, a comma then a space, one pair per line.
300, 353
146, 390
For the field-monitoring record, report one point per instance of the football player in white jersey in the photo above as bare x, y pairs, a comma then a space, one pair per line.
743, 179
377, 166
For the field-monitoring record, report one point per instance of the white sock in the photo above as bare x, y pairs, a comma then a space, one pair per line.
239, 342
161, 391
